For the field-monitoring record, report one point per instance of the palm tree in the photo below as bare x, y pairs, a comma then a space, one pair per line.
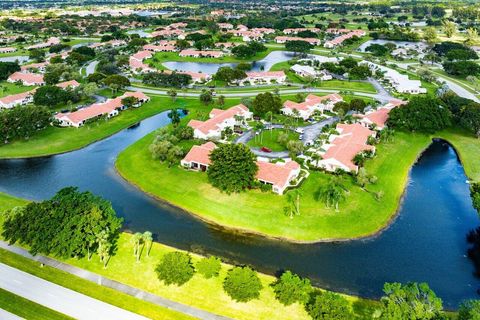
332, 193
316, 157
147, 238
137, 240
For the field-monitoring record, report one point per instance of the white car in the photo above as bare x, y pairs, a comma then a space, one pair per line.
299, 130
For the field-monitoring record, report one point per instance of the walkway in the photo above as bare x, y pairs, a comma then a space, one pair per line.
58, 298
98, 279
5, 315
91, 67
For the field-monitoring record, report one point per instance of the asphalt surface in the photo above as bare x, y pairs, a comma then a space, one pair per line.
58, 298
5, 315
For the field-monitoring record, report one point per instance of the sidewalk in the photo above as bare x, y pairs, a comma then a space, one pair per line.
100, 280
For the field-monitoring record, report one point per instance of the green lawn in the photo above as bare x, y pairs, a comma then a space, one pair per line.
255, 211
161, 57
27, 309
269, 139
88, 288
54, 140
7, 88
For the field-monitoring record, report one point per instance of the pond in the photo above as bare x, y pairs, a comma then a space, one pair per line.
211, 68
406, 44
21, 59
140, 32
425, 243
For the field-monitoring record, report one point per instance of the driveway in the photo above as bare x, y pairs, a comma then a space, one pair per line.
58, 298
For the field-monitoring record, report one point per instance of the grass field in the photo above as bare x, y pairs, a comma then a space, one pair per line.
269, 139
255, 211
55, 140
27, 309
7, 88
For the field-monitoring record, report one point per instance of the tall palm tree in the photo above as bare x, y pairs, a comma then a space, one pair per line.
136, 240
147, 238
332, 193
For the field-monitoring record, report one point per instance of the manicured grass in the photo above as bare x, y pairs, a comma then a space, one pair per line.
8, 202
269, 139
7, 88
55, 140
360, 215
27, 309
161, 57
88, 288
468, 149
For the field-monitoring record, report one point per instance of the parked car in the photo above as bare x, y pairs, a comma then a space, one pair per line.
300, 130
265, 149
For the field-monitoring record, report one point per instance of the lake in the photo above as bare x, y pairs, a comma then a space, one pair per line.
426, 242
407, 44
21, 59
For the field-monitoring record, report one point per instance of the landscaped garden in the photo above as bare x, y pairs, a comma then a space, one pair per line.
274, 140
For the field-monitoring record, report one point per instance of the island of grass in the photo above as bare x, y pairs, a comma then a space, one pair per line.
270, 139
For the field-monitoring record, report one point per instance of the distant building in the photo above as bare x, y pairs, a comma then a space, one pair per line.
311, 104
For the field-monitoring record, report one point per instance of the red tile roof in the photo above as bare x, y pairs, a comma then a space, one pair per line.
218, 117
66, 84
16, 97
200, 154
30, 78
312, 100
277, 174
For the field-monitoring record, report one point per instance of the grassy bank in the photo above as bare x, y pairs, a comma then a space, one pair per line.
206, 294
360, 215
27, 309
54, 140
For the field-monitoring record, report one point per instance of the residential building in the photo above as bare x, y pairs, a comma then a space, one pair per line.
340, 39
400, 82
379, 117
297, 30
19, 99
279, 175
308, 71
342, 148
40, 67
7, 49
27, 79
256, 77
284, 39
198, 158
160, 48
311, 104
50, 42
72, 84
200, 53
219, 121
109, 109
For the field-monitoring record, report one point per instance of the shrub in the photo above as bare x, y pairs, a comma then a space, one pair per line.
242, 284
290, 288
209, 267
175, 268
469, 310
329, 306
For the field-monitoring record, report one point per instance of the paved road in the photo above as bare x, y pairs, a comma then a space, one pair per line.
91, 67
58, 298
98, 279
5, 315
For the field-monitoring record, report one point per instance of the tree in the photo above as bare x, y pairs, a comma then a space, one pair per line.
175, 268
469, 310
7, 68
206, 97
328, 306
52, 96
295, 147
232, 168
209, 267
242, 284
22, 123
357, 104
90, 89
221, 100
290, 288
410, 301
137, 241
472, 36
79, 217
243, 51
332, 193
430, 34
449, 27
422, 114
470, 118
461, 68
229, 75
147, 238
37, 55
298, 46
116, 80
266, 102
173, 94
96, 77
174, 116
130, 102
161, 79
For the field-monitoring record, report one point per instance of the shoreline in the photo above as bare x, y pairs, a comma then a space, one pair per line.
252, 233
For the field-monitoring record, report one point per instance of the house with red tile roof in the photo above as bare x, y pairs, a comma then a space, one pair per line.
160, 48
279, 175
342, 148
198, 158
201, 53
284, 39
40, 67
311, 104
142, 55
219, 121
225, 26
7, 49
340, 39
265, 77
168, 33
19, 99
297, 30
72, 84
379, 117
50, 42
109, 108
27, 79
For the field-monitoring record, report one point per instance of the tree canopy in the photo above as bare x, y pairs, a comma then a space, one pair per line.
242, 284
7, 68
233, 168
266, 102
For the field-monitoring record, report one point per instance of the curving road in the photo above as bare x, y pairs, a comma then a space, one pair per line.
58, 298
